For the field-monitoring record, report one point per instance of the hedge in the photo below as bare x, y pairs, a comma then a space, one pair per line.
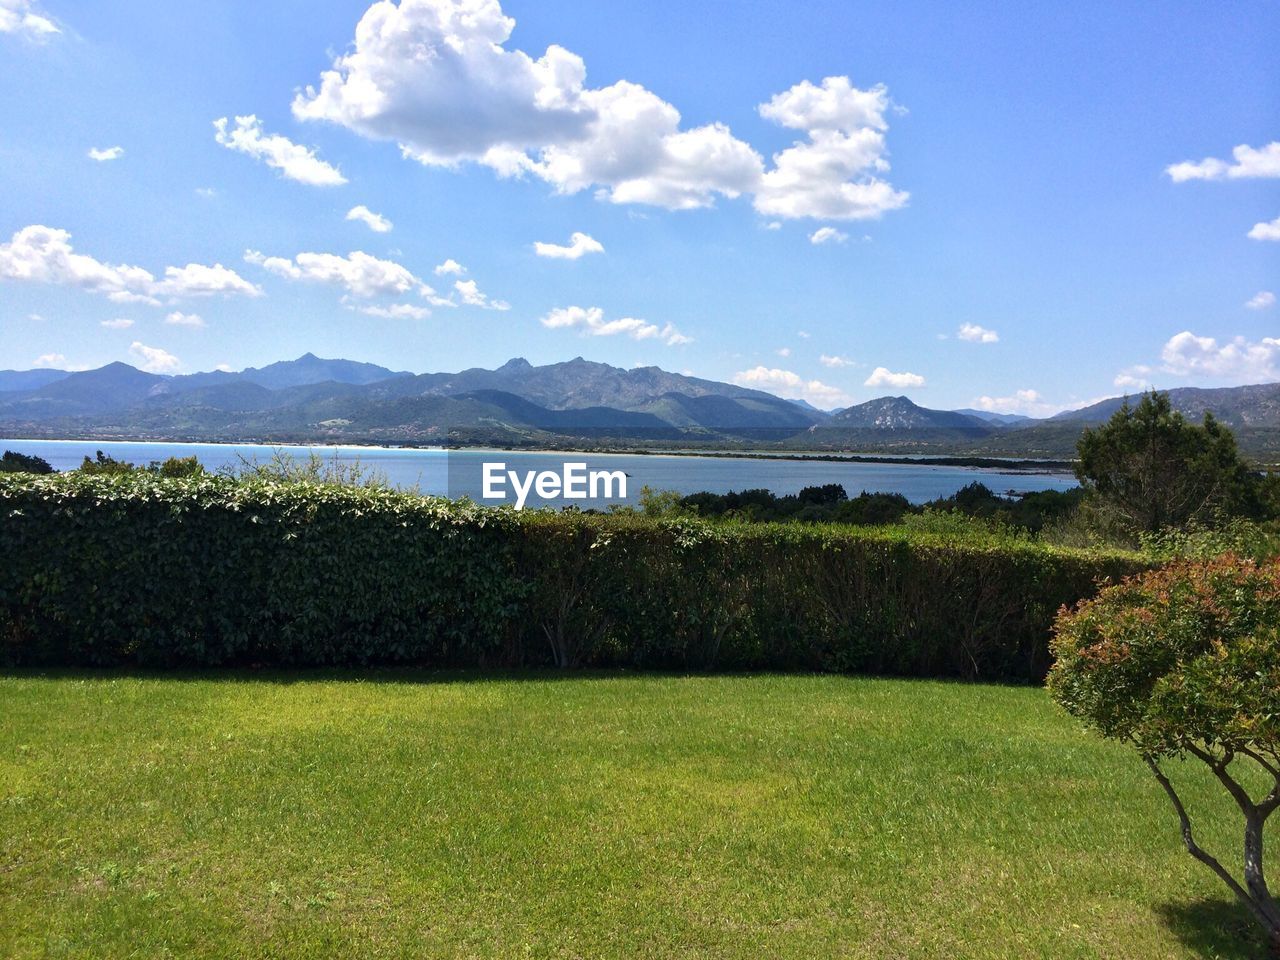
212, 571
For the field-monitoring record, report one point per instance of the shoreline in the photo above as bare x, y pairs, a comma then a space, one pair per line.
1046, 466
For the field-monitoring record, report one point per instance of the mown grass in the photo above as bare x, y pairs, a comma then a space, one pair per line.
600, 816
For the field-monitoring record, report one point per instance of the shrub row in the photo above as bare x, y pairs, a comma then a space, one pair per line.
144, 570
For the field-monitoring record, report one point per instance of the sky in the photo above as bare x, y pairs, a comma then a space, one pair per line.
1009, 206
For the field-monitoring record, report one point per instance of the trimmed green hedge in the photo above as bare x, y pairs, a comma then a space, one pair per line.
135, 569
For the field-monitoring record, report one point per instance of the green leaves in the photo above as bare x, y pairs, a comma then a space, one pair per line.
201, 570
1187, 655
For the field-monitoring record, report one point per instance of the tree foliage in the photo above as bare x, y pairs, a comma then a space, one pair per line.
14, 462
1152, 469
1184, 661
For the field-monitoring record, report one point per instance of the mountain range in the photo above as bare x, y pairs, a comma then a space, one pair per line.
574, 403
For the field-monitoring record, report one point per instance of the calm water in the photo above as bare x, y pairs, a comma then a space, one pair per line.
459, 473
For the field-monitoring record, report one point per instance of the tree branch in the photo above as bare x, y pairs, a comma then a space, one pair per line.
1202, 855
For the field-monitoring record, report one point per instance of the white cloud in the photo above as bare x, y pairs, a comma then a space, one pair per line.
976, 334
19, 17
1265, 230
224, 368
792, 386
773, 225
783, 351
1134, 378
1029, 403
591, 322
109, 153
374, 221
153, 359
835, 362
120, 323
803, 334
436, 77
834, 175
207, 192
450, 268
827, 235
39, 254
293, 160
472, 296
198, 280
580, 244
883, 377
395, 311
50, 360
35, 317
1239, 360
1249, 162
1261, 300
359, 273
179, 319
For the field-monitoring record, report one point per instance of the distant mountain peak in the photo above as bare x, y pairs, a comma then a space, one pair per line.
901, 413
515, 365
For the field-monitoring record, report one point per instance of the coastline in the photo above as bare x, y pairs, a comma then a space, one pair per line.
986, 463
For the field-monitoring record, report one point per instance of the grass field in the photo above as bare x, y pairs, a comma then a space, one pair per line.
602, 816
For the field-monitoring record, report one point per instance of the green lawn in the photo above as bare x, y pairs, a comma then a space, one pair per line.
613, 816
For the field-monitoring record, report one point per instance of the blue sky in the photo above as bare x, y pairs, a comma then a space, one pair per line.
1005, 221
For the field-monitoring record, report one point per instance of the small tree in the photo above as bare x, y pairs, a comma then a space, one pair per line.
13, 462
1184, 661
1151, 469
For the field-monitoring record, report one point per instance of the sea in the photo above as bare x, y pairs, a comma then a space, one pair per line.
458, 473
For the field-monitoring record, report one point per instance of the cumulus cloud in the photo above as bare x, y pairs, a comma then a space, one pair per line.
827, 235
471, 294
374, 221
39, 254
360, 274
884, 377
56, 360
1029, 403
792, 386
976, 334
590, 321
179, 319
153, 359
834, 362
1137, 377
20, 17
835, 174
109, 153
580, 244
450, 268
1266, 230
293, 160
120, 323
1261, 300
437, 78
1246, 162
1238, 360
395, 311
783, 351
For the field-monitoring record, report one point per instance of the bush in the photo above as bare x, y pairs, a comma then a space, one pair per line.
1185, 661
141, 569
14, 462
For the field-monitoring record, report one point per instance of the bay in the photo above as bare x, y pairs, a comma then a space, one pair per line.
458, 473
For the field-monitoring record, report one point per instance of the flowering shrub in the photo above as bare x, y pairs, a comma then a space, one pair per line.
1185, 661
